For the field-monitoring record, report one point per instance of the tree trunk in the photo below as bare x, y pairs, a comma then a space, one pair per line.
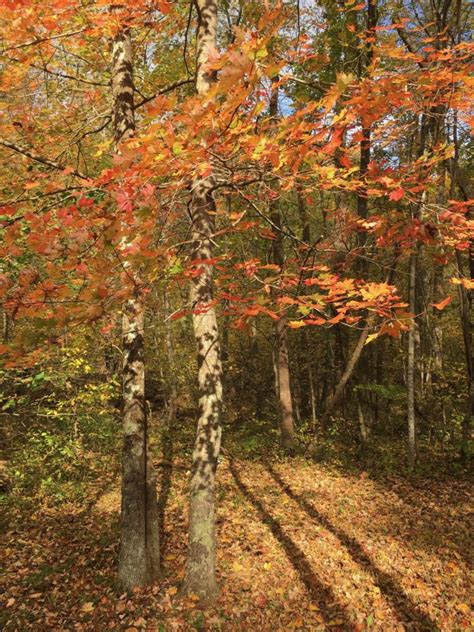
139, 559
305, 351
365, 144
6, 327
411, 363
172, 384
413, 333
363, 427
465, 313
334, 399
463, 181
287, 426
312, 392
304, 219
200, 575
437, 342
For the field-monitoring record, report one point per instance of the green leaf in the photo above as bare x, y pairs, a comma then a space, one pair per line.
261, 53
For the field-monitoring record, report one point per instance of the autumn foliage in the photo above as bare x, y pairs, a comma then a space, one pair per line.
333, 144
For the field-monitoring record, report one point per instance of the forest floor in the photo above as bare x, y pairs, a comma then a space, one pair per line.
301, 546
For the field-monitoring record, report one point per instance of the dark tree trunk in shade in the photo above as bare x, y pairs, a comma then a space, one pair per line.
463, 181
172, 382
411, 360
365, 144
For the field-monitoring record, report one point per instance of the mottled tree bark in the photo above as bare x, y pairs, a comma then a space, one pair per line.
200, 575
139, 560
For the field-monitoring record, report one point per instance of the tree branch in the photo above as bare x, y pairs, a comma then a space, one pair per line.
44, 39
41, 159
170, 88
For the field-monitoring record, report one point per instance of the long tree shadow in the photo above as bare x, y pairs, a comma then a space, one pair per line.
391, 590
321, 594
437, 516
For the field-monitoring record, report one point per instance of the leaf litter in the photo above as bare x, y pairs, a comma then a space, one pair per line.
301, 546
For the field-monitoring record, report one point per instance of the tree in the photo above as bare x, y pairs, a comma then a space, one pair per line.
139, 560
200, 569
299, 216
282, 364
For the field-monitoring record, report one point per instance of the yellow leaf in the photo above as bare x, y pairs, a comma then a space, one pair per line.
468, 283
87, 607
344, 80
261, 53
371, 337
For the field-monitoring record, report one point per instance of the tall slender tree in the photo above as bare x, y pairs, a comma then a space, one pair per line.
282, 366
200, 570
139, 561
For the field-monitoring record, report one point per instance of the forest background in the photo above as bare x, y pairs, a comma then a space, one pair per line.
248, 222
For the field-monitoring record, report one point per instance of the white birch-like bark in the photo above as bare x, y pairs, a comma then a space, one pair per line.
139, 558
200, 569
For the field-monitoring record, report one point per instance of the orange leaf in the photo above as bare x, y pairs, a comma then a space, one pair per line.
344, 161
442, 304
337, 318
296, 324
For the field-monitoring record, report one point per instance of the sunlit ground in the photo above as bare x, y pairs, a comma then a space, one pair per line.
301, 547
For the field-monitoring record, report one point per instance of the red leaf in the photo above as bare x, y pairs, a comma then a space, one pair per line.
344, 161
397, 195
261, 601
